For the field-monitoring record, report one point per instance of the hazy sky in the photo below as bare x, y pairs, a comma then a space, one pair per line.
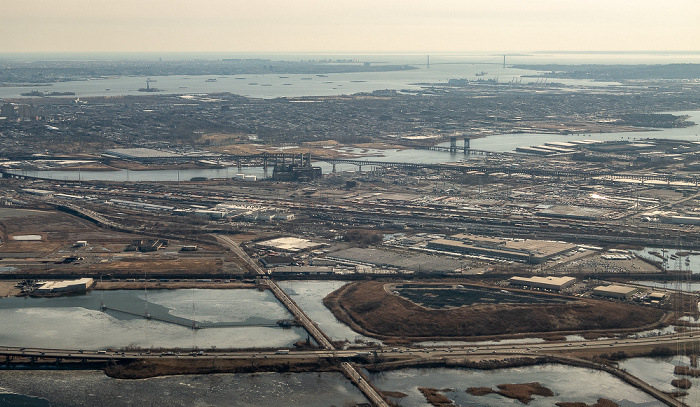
421, 26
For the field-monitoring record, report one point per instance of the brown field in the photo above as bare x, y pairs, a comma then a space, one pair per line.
159, 265
8, 289
104, 254
88, 167
369, 307
56, 228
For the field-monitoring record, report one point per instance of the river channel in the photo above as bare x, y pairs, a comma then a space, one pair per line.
90, 388
93, 388
495, 143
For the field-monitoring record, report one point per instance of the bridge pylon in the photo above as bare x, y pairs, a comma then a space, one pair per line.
453, 144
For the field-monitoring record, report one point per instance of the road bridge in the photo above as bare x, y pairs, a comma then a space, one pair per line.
311, 327
457, 166
465, 167
652, 177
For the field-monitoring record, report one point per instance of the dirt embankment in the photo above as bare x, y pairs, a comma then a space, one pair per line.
368, 306
141, 369
8, 289
140, 285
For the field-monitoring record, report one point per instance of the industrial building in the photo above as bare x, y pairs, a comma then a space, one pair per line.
65, 286
547, 283
289, 244
277, 261
142, 205
304, 270
523, 250
615, 291
300, 170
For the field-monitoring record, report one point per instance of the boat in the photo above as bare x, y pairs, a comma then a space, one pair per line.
482, 73
211, 80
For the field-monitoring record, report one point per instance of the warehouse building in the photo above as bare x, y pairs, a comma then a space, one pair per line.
522, 250
304, 270
547, 283
66, 286
615, 291
289, 244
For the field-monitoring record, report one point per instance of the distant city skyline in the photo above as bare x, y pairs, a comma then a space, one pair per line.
344, 26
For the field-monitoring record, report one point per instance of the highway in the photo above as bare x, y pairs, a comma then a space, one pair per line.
403, 352
560, 350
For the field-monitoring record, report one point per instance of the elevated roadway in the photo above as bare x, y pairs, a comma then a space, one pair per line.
319, 336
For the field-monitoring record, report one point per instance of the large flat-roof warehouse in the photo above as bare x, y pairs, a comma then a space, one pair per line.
528, 251
549, 283
615, 291
66, 286
289, 244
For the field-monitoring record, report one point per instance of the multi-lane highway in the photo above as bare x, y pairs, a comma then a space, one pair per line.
688, 340
561, 349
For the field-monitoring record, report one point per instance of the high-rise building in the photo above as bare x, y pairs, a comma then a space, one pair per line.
8, 110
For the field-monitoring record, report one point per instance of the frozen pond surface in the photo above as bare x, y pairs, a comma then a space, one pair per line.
76, 321
309, 295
